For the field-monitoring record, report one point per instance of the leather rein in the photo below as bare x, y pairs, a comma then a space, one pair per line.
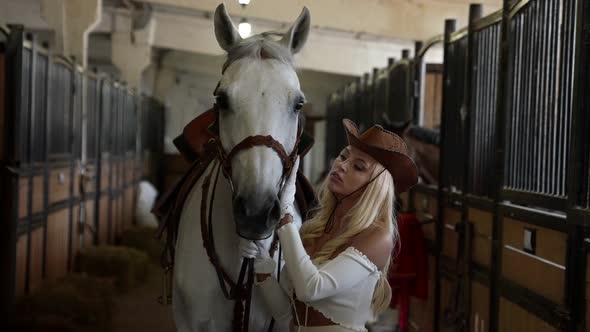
241, 290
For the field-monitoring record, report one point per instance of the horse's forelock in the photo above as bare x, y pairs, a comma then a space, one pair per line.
259, 47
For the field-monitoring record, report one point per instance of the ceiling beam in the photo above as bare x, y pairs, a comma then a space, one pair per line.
405, 19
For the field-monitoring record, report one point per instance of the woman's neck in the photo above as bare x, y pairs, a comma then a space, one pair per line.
342, 209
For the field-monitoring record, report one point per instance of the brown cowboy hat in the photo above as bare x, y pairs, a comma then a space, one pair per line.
388, 149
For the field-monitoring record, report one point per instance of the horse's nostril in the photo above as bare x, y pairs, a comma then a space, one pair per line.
239, 206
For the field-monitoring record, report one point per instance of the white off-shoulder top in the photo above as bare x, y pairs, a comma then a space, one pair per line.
341, 289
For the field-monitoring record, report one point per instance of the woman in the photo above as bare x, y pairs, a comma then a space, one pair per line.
334, 277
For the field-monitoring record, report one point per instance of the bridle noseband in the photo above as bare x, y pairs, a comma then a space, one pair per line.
253, 141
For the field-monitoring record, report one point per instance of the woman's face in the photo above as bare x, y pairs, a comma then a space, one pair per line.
351, 170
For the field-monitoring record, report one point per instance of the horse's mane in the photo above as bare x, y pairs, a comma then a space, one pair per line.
427, 135
261, 46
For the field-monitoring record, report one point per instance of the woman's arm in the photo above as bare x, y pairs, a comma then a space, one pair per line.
275, 297
343, 272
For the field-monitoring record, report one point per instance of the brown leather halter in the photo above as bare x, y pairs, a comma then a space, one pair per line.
253, 141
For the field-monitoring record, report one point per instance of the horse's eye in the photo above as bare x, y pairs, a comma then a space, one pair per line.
298, 106
222, 101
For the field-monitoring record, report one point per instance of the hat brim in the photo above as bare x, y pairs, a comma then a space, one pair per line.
401, 167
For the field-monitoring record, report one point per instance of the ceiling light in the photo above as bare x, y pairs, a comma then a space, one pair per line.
245, 28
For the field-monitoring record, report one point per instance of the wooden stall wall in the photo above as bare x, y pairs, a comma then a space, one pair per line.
432, 96
62, 188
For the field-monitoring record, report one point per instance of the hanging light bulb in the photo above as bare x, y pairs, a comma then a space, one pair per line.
244, 3
245, 28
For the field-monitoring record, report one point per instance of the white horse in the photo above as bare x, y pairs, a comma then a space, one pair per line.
259, 94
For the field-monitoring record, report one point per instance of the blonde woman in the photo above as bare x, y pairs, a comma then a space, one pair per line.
334, 278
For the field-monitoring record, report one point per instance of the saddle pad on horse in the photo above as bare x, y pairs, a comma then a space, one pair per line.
197, 147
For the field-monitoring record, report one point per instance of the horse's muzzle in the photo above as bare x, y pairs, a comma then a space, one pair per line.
256, 215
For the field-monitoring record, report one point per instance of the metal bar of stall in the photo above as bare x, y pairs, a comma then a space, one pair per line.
475, 13
28, 150
504, 87
534, 107
578, 163
450, 27
48, 104
542, 103
9, 190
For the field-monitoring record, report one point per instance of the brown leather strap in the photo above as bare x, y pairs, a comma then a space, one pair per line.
258, 140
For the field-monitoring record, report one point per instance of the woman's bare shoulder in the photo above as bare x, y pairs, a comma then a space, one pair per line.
376, 243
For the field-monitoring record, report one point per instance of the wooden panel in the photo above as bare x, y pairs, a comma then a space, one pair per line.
104, 177
117, 182
432, 99
23, 197
91, 177
543, 272
38, 194
129, 171
426, 210
129, 210
59, 185
480, 306
21, 264
23, 192
36, 267
117, 216
88, 238
103, 215
77, 179
514, 318
422, 312
148, 167
482, 236
138, 169
57, 244
121, 213
450, 237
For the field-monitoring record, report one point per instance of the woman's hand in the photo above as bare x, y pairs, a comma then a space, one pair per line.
247, 248
264, 265
288, 194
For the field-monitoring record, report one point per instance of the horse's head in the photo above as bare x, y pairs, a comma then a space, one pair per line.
423, 147
259, 94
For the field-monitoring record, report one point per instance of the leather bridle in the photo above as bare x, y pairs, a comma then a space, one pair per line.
253, 141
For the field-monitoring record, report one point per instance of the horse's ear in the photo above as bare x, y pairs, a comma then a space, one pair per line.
226, 33
295, 38
398, 128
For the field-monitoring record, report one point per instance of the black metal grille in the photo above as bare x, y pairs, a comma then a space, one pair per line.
454, 113
399, 93
381, 98
92, 116
59, 110
106, 106
130, 123
77, 115
39, 109
484, 77
539, 97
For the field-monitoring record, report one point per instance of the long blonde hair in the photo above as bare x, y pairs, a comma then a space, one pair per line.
375, 207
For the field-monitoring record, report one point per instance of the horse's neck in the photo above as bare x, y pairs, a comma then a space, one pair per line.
426, 157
